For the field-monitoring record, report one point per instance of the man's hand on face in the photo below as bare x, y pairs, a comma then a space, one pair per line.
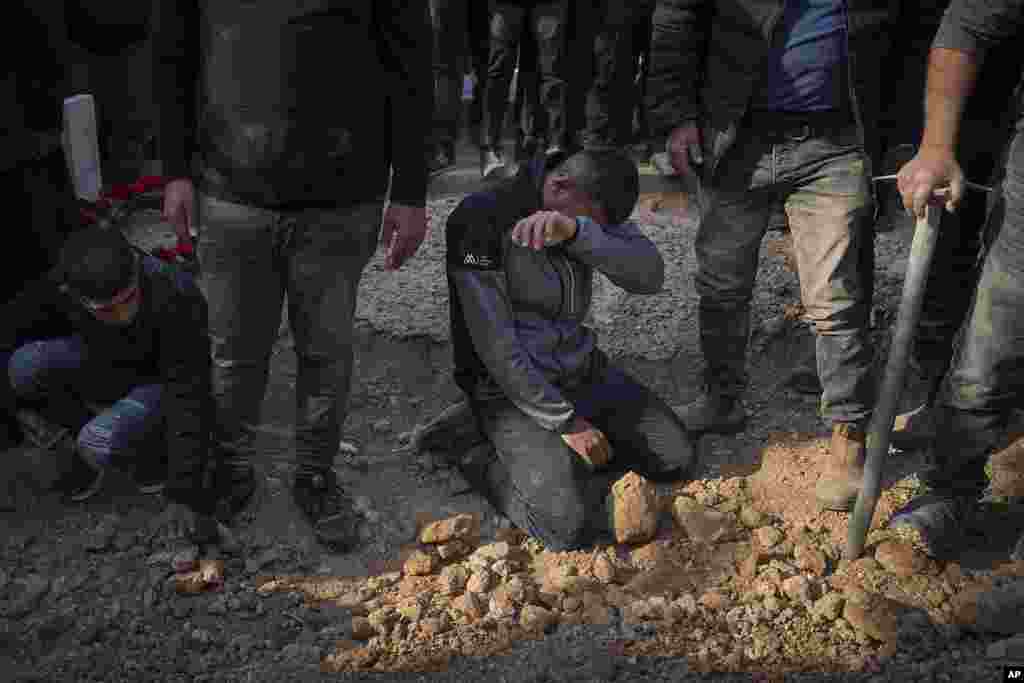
930, 170
179, 200
544, 229
589, 443
405, 228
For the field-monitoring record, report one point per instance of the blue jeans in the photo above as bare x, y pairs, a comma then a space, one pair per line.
57, 375
821, 178
251, 259
986, 380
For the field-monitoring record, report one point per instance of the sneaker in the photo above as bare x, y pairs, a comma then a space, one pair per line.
936, 519
714, 413
82, 481
327, 508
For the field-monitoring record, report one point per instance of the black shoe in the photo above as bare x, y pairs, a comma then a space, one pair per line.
335, 522
938, 518
82, 481
714, 413
151, 476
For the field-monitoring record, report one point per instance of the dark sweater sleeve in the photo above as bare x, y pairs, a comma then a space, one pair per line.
973, 25
175, 82
678, 50
188, 400
406, 47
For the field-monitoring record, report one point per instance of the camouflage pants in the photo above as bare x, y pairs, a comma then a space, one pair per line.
822, 180
986, 380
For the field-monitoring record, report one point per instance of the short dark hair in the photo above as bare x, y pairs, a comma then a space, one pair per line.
97, 263
608, 177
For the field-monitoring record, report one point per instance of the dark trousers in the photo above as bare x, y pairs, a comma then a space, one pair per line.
547, 21
449, 20
478, 36
546, 489
616, 90
986, 380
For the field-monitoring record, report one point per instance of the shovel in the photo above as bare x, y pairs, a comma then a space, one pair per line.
926, 233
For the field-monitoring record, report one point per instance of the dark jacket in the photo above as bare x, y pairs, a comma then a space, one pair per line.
291, 105
707, 57
517, 314
167, 344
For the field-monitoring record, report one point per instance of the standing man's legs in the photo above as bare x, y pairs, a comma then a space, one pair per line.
611, 97
327, 252
506, 25
739, 199
449, 22
986, 381
548, 22
478, 32
242, 278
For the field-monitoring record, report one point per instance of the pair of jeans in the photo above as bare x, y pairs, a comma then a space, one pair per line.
986, 380
547, 22
822, 180
450, 23
58, 376
545, 488
251, 259
614, 93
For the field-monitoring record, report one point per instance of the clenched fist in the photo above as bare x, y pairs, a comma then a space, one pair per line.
544, 229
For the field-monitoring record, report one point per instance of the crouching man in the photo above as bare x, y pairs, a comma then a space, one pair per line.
121, 362
564, 423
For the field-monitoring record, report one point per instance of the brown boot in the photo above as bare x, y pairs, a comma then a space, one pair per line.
841, 479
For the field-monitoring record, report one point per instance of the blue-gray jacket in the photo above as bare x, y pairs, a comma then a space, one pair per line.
517, 314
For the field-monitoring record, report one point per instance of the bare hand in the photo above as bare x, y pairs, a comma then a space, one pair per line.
589, 443
930, 170
685, 148
405, 228
179, 202
544, 229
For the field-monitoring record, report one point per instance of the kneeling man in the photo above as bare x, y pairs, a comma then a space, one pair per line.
563, 421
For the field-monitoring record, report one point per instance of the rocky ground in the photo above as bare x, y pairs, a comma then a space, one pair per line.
742, 581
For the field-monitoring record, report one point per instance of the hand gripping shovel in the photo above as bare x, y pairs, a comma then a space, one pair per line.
926, 234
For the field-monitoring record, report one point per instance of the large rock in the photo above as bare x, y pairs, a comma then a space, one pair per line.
875, 619
421, 563
634, 509
461, 527
701, 523
1008, 470
901, 559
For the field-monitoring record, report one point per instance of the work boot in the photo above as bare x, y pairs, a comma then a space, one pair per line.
335, 522
714, 413
493, 164
936, 520
840, 481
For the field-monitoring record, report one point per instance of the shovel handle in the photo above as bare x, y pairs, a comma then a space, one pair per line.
926, 233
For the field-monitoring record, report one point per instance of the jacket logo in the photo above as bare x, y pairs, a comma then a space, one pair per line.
474, 260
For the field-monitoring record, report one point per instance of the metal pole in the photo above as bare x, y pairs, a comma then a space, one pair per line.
926, 234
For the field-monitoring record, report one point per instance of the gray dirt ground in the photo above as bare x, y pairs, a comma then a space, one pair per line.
84, 592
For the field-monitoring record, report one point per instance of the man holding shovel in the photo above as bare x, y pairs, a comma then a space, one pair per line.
986, 378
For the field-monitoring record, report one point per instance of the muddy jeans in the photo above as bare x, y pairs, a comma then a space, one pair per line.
821, 178
57, 374
986, 380
545, 488
251, 259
